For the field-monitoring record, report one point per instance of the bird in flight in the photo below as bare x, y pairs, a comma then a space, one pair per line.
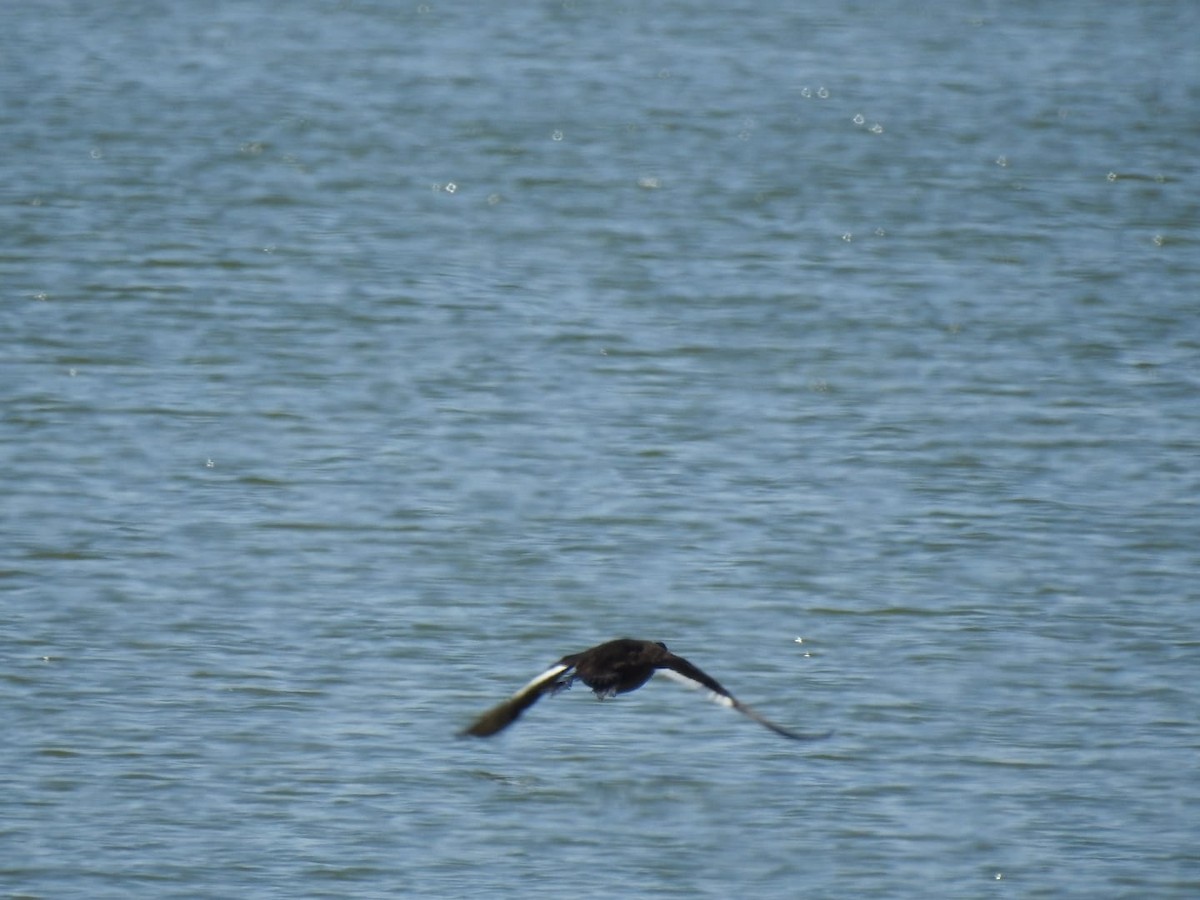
612, 668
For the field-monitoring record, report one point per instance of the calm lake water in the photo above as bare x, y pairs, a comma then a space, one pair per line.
360, 359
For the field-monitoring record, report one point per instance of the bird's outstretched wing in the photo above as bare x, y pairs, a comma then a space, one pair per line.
679, 669
504, 714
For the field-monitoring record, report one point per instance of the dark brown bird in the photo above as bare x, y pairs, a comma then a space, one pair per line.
612, 668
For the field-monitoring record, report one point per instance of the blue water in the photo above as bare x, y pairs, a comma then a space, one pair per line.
361, 359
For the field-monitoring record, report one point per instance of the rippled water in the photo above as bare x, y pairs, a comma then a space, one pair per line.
362, 359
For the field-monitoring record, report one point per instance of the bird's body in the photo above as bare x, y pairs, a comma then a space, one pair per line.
617, 667
612, 668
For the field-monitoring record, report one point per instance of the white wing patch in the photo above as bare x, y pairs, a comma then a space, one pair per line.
549, 675
719, 699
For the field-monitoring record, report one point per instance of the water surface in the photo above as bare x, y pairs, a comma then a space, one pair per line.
361, 359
